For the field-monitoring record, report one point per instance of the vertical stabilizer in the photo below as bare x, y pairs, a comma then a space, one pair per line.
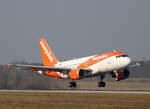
47, 55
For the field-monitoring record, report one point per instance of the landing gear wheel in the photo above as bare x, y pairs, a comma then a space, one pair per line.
101, 84
117, 79
72, 84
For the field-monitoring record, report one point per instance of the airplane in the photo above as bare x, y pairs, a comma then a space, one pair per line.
115, 63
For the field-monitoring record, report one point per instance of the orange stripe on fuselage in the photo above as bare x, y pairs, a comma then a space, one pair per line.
99, 58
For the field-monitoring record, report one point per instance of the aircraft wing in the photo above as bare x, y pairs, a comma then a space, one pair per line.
44, 68
135, 65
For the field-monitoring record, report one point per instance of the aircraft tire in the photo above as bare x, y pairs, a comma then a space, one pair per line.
101, 84
72, 84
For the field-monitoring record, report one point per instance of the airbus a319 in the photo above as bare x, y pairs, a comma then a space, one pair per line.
115, 63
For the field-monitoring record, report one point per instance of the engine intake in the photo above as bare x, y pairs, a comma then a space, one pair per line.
126, 74
123, 74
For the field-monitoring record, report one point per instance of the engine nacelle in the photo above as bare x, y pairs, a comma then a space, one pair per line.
77, 74
123, 74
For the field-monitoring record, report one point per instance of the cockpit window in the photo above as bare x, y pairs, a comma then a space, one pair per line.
118, 56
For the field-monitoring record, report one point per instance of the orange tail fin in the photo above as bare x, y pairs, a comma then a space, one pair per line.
47, 55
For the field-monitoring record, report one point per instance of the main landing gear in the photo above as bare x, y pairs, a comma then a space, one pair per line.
101, 83
72, 84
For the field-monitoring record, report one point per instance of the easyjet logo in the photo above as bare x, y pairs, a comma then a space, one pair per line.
48, 53
99, 57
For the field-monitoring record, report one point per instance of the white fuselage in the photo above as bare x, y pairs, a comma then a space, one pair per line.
111, 64
107, 65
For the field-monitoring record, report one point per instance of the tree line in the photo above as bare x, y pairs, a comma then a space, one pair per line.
12, 78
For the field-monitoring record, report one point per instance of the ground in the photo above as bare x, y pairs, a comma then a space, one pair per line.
52, 100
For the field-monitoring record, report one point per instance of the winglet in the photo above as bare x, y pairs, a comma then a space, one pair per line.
8, 65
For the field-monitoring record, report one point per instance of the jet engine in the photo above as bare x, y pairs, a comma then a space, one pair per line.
77, 74
120, 75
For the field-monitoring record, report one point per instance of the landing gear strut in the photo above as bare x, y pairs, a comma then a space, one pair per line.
101, 83
117, 76
72, 84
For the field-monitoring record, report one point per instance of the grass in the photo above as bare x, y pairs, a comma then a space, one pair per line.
30, 100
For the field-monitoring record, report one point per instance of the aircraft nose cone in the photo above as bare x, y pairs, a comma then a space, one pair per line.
128, 61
